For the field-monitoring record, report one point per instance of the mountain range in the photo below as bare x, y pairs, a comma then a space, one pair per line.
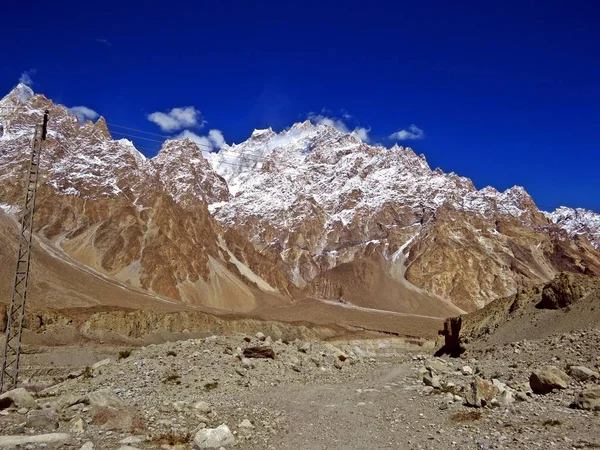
310, 214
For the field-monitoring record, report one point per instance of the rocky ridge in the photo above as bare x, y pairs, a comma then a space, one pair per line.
142, 221
313, 198
289, 207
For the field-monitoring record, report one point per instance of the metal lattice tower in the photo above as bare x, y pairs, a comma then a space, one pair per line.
16, 311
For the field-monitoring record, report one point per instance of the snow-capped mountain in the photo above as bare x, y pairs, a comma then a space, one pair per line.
142, 221
309, 211
578, 221
313, 198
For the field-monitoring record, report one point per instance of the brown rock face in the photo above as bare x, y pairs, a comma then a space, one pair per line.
560, 292
143, 222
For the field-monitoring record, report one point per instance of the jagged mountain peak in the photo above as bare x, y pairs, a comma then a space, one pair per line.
19, 94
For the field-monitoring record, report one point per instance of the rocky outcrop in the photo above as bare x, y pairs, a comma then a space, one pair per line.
546, 379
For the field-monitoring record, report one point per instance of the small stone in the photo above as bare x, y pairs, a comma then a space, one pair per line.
179, 406
87, 446
260, 336
247, 363
203, 407
304, 348
432, 380
101, 363
214, 437
131, 440
466, 370
246, 424
77, 425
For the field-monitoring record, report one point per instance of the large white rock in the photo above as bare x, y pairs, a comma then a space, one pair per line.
52, 438
214, 437
18, 397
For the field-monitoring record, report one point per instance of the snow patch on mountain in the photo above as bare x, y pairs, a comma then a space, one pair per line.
577, 221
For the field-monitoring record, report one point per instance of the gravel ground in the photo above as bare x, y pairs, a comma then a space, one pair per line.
313, 395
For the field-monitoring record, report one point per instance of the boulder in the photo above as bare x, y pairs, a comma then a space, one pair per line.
559, 293
214, 437
42, 420
19, 398
104, 398
588, 399
582, 373
432, 380
259, 352
436, 366
545, 379
480, 393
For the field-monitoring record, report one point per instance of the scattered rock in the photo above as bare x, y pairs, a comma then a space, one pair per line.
52, 438
77, 425
582, 373
131, 440
466, 370
203, 407
260, 336
102, 363
87, 446
480, 393
432, 380
259, 352
41, 420
437, 366
214, 437
588, 399
246, 424
543, 380
247, 363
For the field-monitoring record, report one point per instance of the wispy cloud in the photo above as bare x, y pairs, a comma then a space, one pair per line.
178, 119
323, 119
83, 113
26, 77
362, 133
413, 133
208, 144
104, 41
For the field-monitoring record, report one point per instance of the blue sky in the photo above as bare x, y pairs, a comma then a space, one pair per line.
505, 92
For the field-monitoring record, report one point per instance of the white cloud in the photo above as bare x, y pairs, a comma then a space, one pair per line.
413, 133
208, 144
360, 132
104, 41
363, 134
83, 113
217, 139
25, 77
177, 119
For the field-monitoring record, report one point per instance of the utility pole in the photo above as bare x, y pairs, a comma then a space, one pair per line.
16, 311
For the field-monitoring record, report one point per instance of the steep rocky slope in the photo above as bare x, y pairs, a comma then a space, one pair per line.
313, 198
144, 222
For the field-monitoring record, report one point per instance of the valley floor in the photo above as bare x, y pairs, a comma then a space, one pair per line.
345, 394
